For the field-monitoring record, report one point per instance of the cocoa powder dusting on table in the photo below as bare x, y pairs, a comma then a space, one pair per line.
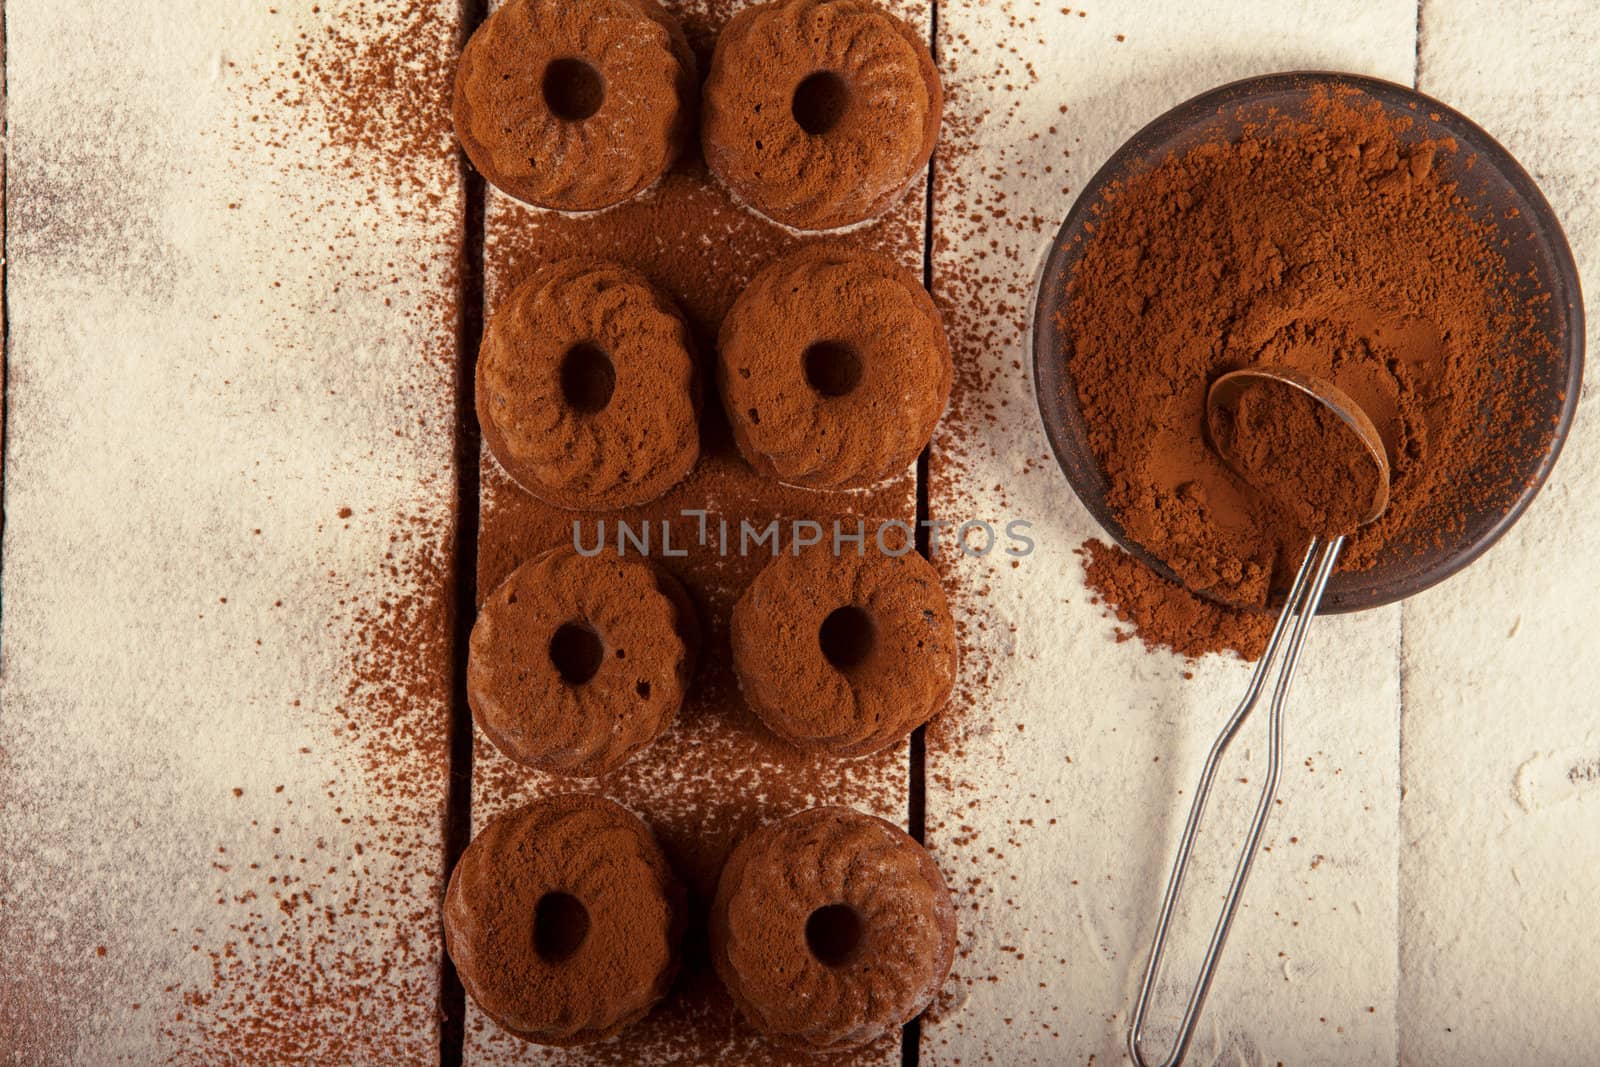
372, 79
985, 458
293, 959
1334, 242
1163, 614
310, 935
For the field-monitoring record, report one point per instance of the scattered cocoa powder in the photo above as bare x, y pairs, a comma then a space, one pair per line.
300, 964
1332, 241
1163, 614
368, 80
991, 164
294, 962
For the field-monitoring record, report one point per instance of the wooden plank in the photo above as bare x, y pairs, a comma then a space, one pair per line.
716, 774
233, 233
1056, 794
1500, 747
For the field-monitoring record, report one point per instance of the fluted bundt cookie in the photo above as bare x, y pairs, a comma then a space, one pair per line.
564, 920
834, 369
844, 653
831, 929
820, 113
577, 663
575, 106
587, 387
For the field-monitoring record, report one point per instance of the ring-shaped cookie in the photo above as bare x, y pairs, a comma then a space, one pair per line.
575, 106
844, 653
587, 387
831, 928
564, 920
834, 369
577, 663
820, 113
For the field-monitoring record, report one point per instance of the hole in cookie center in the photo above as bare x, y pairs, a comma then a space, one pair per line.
820, 102
576, 652
573, 90
833, 368
847, 636
560, 924
588, 378
833, 933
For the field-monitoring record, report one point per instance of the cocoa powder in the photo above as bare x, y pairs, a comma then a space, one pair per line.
1163, 614
1300, 455
301, 947
1334, 242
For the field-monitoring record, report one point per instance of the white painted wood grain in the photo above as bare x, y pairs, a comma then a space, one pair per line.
1055, 798
1501, 741
216, 343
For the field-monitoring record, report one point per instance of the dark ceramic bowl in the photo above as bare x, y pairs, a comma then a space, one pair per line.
1537, 257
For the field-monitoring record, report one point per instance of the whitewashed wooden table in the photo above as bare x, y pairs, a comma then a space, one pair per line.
231, 462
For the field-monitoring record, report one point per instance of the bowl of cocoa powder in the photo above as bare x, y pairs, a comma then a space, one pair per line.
1344, 227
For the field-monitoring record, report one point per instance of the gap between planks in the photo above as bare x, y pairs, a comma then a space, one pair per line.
5, 264
917, 785
464, 562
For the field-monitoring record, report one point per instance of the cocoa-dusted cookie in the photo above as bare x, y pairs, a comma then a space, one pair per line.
587, 387
844, 653
820, 113
834, 369
831, 929
564, 920
577, 663
575, 106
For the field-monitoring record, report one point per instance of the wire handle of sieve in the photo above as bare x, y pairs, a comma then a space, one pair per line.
1298, 609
